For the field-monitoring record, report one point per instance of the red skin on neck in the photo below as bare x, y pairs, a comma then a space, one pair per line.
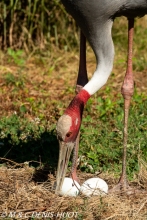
75, 111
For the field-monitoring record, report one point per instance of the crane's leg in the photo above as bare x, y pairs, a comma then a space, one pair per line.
127, 92
81, 81
82, 78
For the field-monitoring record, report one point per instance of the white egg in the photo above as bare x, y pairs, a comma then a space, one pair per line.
70, 187
94, 186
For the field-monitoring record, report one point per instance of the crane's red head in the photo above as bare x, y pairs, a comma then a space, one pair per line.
67, 130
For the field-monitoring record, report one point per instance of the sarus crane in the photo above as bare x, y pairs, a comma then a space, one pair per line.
95, 19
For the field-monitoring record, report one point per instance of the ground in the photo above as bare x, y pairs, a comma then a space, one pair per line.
26, 192
24, 198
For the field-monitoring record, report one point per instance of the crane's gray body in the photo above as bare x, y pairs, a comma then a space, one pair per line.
94, 11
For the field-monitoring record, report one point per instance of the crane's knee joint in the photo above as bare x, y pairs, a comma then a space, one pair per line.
127, 89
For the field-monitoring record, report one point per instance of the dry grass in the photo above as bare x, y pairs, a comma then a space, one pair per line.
19, 190
21, 194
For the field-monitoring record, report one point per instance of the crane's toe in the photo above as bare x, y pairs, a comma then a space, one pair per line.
120, 190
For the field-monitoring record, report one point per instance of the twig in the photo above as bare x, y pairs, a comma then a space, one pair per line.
141, 207
31, 210
2, 158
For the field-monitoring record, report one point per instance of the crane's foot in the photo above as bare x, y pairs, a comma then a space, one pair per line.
120, 189
125, 189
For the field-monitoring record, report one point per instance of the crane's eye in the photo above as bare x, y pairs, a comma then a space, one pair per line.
68, 134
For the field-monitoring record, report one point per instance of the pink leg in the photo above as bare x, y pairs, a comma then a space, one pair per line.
127, 92
81, 81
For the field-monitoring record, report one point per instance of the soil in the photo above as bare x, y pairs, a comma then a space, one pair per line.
23, 194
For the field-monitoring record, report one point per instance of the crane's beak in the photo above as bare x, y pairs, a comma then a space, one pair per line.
64, 156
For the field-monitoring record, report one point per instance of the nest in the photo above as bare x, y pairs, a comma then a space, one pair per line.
21, 197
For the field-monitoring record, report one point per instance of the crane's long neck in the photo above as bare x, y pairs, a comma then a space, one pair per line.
102, 45
77, 104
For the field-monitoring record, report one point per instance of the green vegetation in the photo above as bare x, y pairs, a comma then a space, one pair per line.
101, 136
101, 139
22, 140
